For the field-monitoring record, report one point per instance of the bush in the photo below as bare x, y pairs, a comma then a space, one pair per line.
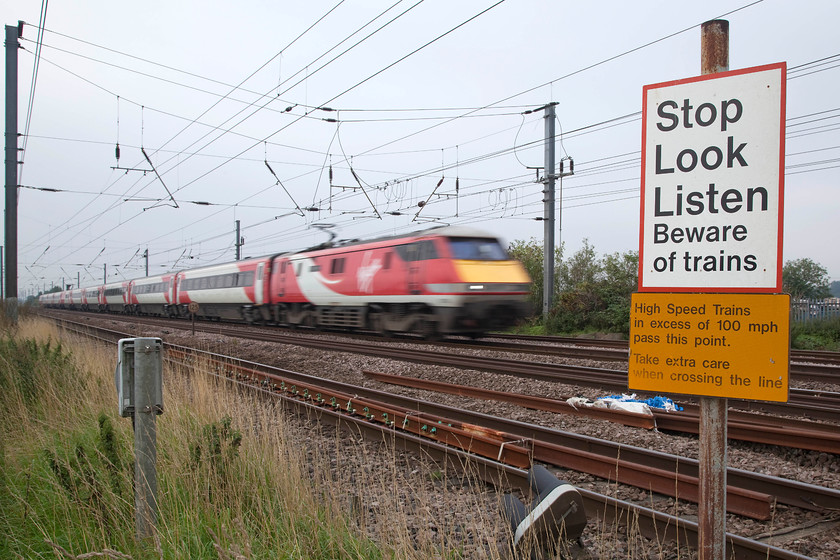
594, 294
820, 334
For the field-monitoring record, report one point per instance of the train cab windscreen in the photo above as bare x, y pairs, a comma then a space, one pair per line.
477, 249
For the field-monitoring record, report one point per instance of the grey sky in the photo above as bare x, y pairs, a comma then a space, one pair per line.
396, 125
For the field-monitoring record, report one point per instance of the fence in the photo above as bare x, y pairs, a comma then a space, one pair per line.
813, 309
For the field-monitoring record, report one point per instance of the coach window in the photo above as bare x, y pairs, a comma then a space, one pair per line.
337, 266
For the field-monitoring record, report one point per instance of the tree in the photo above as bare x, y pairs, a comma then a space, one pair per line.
581, 268
590, 293
805, 279
622, 271
530, 254
620, 280
595, 291
835, 288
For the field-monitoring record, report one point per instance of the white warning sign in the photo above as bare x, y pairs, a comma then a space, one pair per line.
713, 182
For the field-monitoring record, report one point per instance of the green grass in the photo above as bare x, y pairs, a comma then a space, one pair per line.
237, 476
66, 472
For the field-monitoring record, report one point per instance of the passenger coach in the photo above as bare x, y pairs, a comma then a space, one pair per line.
446, 280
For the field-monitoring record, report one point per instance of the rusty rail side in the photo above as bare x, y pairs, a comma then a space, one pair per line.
786, 491
657, 526
799, 434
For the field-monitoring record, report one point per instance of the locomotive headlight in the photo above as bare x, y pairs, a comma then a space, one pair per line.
476, 286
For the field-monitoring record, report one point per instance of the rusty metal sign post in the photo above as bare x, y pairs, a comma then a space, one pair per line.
711, 518
710, 318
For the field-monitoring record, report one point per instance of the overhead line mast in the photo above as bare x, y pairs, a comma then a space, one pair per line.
11, 250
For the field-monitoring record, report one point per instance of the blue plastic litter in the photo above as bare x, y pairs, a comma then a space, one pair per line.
663, 403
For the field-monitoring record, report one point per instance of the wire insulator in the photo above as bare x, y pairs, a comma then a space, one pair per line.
117, 152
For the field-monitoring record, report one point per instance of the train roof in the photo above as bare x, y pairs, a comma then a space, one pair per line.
443, 231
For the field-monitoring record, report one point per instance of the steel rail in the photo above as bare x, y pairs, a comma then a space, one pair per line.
785, 491
490, 442
814, 356
558, 406
801, 434
480, 442
823, 366
799, 402
657, 526
801, 357
803, 366
819, 405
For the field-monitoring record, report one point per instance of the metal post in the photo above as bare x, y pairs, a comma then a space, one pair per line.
12, 35
238, 244
548, 211
714, 57
146, 254
146, 373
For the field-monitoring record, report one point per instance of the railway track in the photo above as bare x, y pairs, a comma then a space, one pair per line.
461, 428
805, 366
816, 405
741, 426
618, 349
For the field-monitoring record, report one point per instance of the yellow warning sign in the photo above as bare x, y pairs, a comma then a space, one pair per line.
716, 345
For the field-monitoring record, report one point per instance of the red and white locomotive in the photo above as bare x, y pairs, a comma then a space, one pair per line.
445, 280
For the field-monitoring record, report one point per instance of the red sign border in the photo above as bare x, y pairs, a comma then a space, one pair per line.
707, 289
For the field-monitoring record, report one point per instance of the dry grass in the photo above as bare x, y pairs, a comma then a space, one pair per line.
238, 477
